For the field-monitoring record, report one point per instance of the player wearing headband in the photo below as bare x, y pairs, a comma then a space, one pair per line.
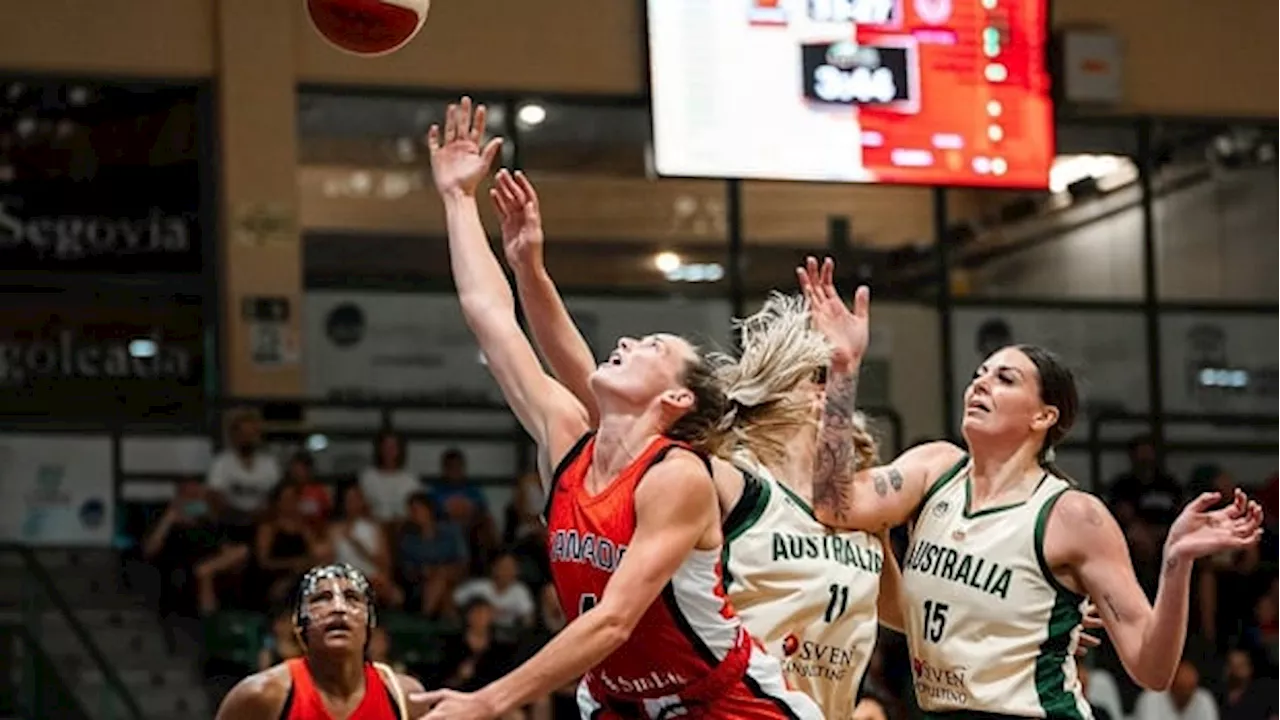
333, 617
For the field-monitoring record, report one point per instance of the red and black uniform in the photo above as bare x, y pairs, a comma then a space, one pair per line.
689, 655
304, 703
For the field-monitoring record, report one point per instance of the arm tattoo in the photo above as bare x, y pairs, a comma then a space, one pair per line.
1111, 606
837, 461
1170, 564
882, 487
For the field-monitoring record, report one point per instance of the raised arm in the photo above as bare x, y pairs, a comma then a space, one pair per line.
546, 410
1085, 548
554, 332
666, 532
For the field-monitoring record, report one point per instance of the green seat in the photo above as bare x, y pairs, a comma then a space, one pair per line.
234, 637
414, 640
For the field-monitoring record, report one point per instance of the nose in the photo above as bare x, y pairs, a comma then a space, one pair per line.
625, 343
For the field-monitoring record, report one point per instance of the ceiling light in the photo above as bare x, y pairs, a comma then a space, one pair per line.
666, 261
531, 114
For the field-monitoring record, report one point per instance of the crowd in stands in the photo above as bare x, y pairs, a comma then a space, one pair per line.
464, 598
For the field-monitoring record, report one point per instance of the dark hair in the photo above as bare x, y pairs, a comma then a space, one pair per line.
401, 448
422, 497
698, 427
1057, 388
452, 455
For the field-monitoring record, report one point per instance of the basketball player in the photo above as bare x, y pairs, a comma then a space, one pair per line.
1004, 550
808, 594
334, 679
611, 495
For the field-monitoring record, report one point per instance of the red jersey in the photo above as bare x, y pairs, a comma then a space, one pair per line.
687, 632
304, 703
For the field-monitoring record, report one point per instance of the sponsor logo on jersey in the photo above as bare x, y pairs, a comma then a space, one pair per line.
809, 659
941, 508
960, 567
790, 546
641, 684
587, 548
943, 684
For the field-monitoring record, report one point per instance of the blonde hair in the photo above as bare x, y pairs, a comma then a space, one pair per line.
780, 351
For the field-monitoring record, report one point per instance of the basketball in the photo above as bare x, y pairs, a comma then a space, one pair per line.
368, 27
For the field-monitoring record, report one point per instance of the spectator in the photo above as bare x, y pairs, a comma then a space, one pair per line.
1244, 697
380, 650
314, 499
189, 543
465, 505
513, 606
1146, 492
243, 473
361, 542
285, 546
1229, 587
525, 517
433, 558
1184, 700
386, 483
281, 643
475, 657
876, 705
1262, 632
551, 618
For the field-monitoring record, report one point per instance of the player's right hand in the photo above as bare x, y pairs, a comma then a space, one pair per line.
458, 161
517, 203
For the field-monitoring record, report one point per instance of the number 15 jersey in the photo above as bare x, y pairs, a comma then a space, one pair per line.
989, 627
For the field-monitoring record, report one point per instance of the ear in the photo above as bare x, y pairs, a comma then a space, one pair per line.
679, 400
1045, 418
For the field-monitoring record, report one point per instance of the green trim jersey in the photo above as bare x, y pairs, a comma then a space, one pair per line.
806, 592
991, 631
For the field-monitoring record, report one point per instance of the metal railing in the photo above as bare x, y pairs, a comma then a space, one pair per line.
44, 611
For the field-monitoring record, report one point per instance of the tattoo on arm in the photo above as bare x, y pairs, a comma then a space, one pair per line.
1170, 563
1111, 606
836, 461
882, 487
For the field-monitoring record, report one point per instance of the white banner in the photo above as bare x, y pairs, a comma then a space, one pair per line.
1105, 349
397, 345
1216, 363
56, 490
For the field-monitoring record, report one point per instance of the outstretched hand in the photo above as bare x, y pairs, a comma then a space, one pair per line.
517, 203
450, 705
1199, 531
458, 161
848, 330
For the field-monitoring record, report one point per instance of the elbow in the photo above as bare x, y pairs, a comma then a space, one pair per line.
1155, 682
614, 627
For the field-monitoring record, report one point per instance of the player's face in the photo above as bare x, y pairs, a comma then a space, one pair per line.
338, 613
1004, 397
647, 369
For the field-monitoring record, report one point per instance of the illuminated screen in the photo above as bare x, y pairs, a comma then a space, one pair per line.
933, 92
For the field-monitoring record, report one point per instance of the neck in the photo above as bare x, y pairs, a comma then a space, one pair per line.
796, 471
337, 676
619, 439
998, 467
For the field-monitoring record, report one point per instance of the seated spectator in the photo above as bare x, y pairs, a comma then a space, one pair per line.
1146, 492
243, 474
433, 558
281, 643
466, 506
1243, 696
1184, 700
315, 501
524, 518
285, 546
361, 542
1229, 586
189, 543
1261, 634
513, 607
386, 483
475, 657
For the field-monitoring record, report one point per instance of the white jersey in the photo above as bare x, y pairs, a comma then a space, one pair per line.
990, 629
805, 591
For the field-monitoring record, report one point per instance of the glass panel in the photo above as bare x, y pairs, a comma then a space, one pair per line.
1081, 240
584, 139
41, 621
1216, 217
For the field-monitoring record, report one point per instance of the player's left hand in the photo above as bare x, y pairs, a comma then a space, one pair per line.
1200, 530
848, 330
1091, 621
452, 705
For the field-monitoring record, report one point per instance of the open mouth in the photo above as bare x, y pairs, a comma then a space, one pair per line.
339, 628
977, 405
